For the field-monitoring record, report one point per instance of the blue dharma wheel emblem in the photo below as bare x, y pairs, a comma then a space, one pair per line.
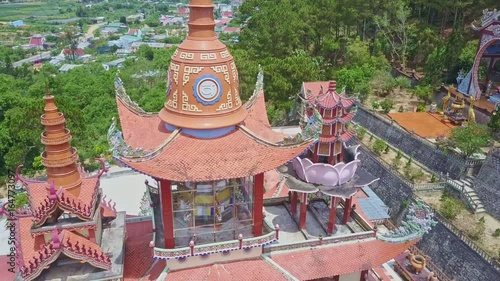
207, 89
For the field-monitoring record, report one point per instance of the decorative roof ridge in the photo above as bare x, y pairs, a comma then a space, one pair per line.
46, 256
82, 210
487, 19
283, 144
121, 150
93, 254
258, 90
125, 99
25, 181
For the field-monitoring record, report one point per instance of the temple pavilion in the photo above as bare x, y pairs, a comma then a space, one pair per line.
208, 154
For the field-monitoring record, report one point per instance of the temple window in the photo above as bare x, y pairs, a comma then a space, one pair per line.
208, 212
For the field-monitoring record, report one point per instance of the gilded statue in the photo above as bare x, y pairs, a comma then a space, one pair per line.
446, 100
472, 115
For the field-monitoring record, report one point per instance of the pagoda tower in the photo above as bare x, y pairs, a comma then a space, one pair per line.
334, 110
65, 211
206, 150
331, 146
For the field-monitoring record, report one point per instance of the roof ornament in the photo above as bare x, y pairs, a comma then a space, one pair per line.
47, 90
122, 94
312, 129
259, 87
419, 221
55, 239
118, 146
52, 192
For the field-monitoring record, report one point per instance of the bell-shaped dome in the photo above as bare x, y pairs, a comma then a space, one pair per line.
203, 84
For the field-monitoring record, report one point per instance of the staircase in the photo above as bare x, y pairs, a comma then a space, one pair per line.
466, 188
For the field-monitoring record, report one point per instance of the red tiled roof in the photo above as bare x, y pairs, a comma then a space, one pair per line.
343, 138
257, 121
78, 52
36, 41
28, 245
222, 22
246, 270
138, 254
329, 98
185, 158
344, 119
182, 10
231, 30
5, 267
227, 14
339, 259
140, 130
39, 192
133, 31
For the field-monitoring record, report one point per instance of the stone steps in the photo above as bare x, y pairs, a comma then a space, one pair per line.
471, 195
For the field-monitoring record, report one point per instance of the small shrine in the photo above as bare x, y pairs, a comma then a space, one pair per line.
454, 112
67, 229
488, 53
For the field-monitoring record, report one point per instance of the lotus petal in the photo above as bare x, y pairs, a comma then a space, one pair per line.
299, 168
323, 174
348, 171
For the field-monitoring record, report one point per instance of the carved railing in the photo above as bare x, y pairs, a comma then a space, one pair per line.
463, 193
221, 247
320, 241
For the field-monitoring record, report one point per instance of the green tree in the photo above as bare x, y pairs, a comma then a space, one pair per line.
470, 139
494, 123
379, 146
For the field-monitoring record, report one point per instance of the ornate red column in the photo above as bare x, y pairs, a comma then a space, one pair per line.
293, 203
364, 275
167, 213
303, 211
315, 158
332, 218
347, 210
258, 204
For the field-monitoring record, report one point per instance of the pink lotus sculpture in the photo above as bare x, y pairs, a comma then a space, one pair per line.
339, 180
324, 174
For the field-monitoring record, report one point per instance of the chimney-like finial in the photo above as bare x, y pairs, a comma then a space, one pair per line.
47, 90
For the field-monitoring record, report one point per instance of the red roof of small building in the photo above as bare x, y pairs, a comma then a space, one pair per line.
339, 259
36, 40
231, 30
222, 22
78, 52
246, 270
133, 31
182, 10
227, 14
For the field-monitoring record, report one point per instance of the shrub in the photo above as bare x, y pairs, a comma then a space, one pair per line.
387, 149
399, 155
450, 207
433, 178
379, 146
396, 163
387, 105
375, 105
496, 233
410, 161
421, 107
371, 137
360, 133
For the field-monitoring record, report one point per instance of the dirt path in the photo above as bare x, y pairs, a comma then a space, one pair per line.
92, 28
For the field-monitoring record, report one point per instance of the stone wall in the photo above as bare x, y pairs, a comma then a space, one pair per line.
487, 184
422, 151
390, 188
455, 258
